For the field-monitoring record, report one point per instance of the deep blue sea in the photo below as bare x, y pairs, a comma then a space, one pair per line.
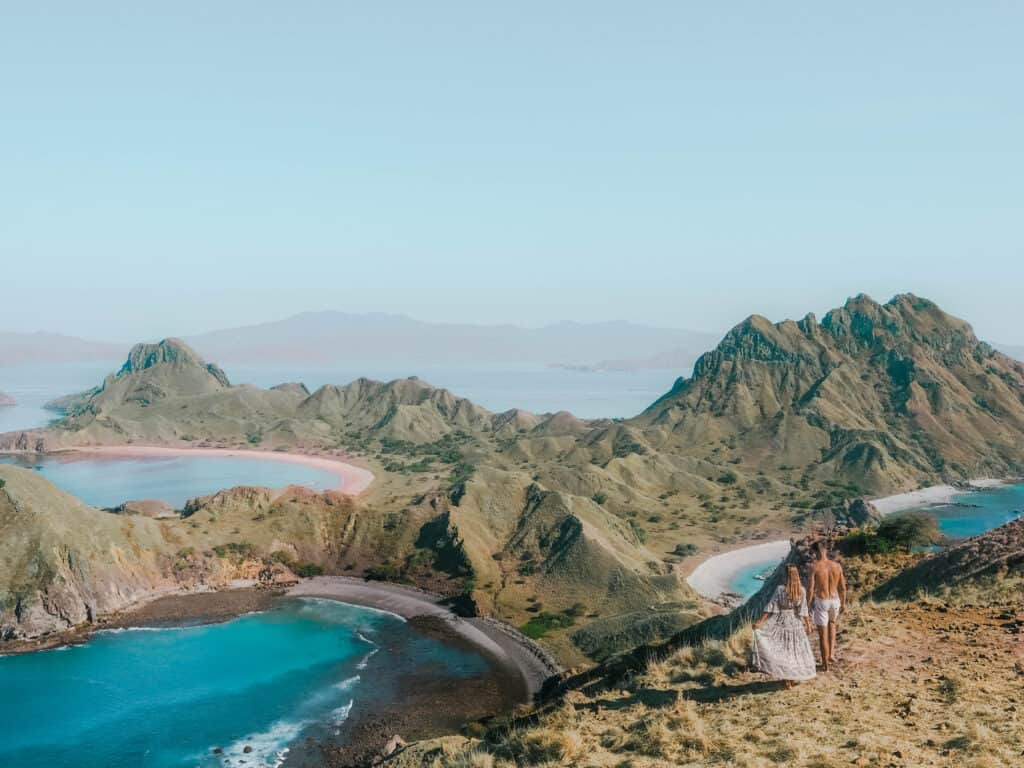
167, 697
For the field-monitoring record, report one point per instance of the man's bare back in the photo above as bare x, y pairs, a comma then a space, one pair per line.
827, 589
826, 578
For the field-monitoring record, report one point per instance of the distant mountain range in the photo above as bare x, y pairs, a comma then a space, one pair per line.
21, 348
316, 338
333, 338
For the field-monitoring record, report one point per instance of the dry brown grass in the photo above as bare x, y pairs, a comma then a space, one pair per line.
917, 685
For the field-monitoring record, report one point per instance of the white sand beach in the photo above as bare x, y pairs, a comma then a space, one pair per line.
714, 576
501, 642
935, 494
352, 480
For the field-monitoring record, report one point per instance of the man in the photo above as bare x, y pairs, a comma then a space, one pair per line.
828, 600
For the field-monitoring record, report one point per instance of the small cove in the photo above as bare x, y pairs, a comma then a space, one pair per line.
170, 696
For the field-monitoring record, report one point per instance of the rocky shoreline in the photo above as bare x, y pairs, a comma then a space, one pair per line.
427, 706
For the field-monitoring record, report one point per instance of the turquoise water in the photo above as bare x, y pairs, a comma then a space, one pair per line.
972, 514
982, 511
745, 581
107, 482
163, 698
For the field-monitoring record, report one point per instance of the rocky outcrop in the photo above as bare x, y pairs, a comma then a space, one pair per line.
64, 563
294, 388
998, 552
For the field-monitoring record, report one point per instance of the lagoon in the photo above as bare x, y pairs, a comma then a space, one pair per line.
107, 482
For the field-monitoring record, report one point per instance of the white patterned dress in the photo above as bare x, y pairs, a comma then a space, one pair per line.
781, 647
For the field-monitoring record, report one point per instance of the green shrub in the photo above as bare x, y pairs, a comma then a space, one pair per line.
306, 570
685, 550
540, 625
910, 529
241, 550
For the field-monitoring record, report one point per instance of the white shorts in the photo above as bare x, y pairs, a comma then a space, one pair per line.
822, 607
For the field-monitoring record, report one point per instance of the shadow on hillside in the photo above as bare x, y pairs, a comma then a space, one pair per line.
655, 698
724, 692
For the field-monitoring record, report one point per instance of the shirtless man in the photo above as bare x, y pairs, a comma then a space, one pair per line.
827, 590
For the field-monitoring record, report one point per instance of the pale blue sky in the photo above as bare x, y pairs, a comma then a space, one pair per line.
683, 164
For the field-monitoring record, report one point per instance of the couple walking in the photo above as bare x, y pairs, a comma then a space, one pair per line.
781, 645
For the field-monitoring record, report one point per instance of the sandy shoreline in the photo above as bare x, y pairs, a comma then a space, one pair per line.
714, 576
352, 480
935, 494
501, 643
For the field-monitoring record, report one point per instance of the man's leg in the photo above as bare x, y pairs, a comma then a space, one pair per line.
823, 637
832, 618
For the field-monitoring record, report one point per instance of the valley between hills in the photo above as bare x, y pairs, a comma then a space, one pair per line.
579, 532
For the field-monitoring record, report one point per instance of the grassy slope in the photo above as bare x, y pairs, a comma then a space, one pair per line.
925, 682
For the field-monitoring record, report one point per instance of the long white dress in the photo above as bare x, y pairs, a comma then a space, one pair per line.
781, 647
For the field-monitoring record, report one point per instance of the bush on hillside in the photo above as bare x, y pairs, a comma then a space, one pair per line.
910, 529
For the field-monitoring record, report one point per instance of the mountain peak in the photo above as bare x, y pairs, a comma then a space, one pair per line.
169, 352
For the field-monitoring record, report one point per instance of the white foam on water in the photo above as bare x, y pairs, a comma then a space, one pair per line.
119, 630
268, 748
347, 683
366, 659
340, 715
358, 606
364, 638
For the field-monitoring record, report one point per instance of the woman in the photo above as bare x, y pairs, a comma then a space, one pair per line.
782, 649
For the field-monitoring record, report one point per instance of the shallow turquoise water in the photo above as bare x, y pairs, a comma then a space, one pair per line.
745, 581
972, 514
163, 698
107, 482
983, 511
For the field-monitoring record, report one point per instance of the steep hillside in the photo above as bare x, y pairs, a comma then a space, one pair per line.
63, 563
993, 562
881, 396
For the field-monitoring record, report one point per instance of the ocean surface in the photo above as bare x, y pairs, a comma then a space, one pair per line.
107, 482
32, 386
587, 394
167, 697
971, 514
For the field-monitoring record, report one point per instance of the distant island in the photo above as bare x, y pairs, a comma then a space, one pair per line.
7, 400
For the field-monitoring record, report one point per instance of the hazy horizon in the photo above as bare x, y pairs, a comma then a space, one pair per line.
170, 170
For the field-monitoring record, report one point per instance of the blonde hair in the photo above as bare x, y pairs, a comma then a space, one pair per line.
794, 589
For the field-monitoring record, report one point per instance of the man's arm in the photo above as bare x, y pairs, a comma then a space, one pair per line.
810, 588
841, 589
